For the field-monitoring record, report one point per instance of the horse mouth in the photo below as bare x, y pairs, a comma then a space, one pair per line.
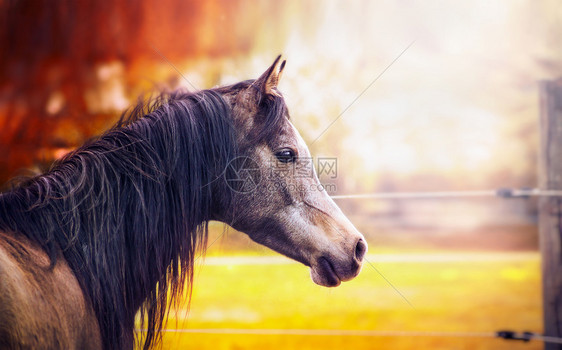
324, 274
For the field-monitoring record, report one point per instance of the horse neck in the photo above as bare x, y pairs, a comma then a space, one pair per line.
129, 211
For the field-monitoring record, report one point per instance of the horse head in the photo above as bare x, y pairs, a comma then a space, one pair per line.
277, 198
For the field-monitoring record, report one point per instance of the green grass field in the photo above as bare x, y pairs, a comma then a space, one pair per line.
451, 292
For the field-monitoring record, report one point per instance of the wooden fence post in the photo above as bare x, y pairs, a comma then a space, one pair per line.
550, 213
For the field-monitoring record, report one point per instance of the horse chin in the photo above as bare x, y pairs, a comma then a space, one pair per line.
324, 274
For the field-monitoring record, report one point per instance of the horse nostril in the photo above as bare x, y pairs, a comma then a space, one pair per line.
360, 250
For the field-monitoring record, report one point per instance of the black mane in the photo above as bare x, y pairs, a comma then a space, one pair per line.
139, 193
129, 209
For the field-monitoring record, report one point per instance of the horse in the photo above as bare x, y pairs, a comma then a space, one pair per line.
112, 230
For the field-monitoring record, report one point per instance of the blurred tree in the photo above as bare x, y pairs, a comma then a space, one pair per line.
68, 68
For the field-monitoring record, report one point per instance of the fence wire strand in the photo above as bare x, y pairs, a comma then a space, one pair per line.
501, 192
506, 335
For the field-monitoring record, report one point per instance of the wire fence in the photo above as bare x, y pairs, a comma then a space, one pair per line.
504, 334
500, 192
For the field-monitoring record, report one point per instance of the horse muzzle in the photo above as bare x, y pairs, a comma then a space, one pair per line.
330, 271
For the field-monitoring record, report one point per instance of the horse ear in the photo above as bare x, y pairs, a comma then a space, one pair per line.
268, 81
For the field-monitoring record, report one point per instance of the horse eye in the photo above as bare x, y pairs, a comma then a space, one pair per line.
286, 155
